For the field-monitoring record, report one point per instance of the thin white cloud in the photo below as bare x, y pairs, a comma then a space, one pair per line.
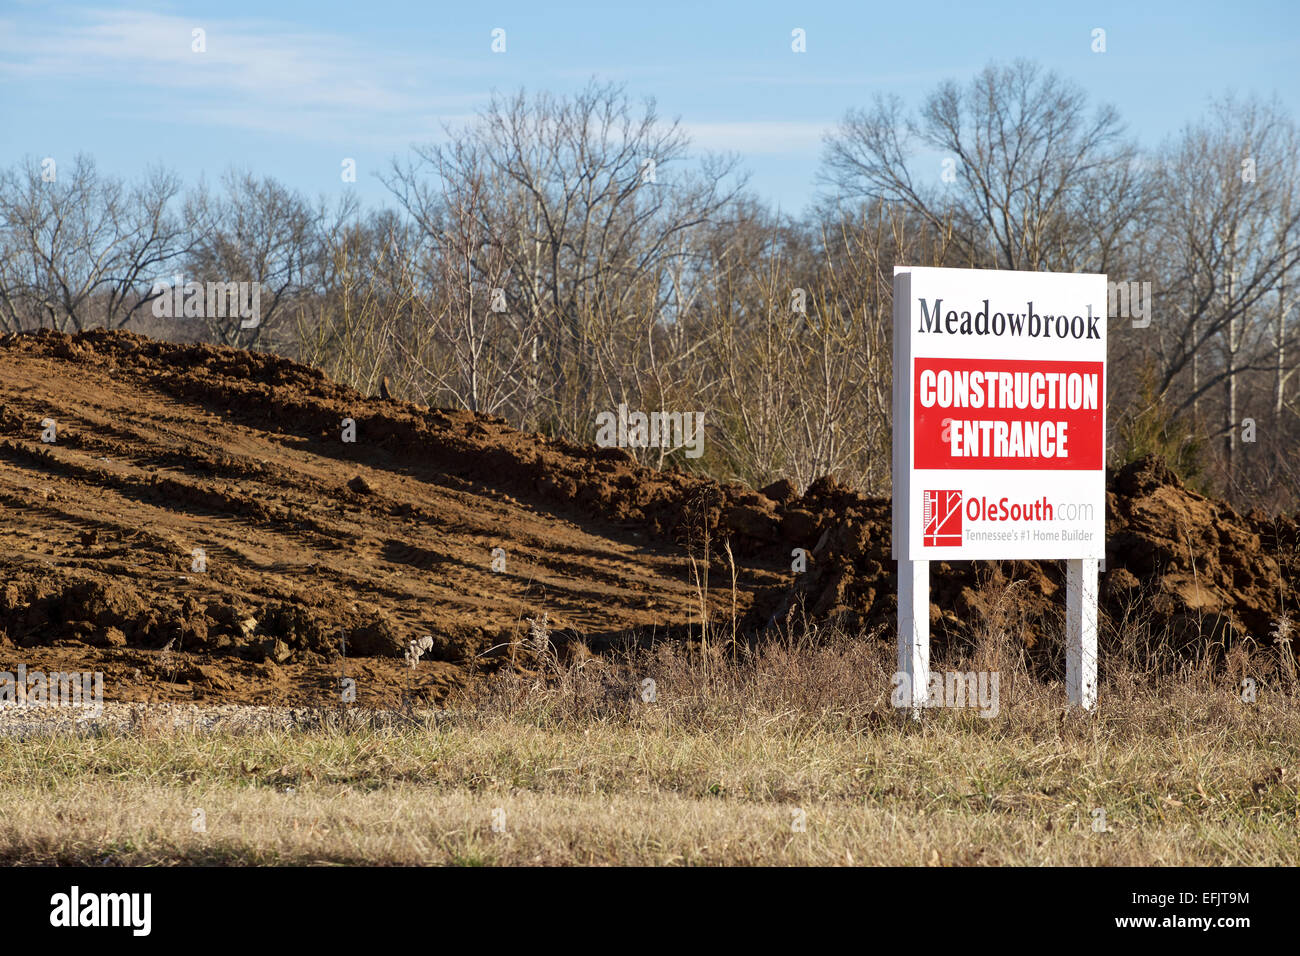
271, 77
758, 136
250, 73
390, 132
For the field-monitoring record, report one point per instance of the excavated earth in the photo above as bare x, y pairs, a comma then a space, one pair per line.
200, 529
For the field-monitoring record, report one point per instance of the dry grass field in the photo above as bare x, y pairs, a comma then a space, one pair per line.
789, 755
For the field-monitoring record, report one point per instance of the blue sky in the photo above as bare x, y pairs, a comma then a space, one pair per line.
291, 88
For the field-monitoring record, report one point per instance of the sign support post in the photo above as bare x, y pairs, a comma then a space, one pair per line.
914, 631
1081, 632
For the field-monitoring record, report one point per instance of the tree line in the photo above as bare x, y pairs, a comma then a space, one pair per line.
562, 255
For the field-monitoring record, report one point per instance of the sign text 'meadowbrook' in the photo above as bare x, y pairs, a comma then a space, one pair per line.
1028, 323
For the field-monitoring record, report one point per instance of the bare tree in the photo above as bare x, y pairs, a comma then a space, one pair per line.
1229, 246
795, 321
257, 231
350, 322
584, 199
469, 347
81, 249
1025, 163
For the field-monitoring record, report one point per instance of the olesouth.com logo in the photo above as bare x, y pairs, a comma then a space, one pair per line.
942, 511
941, 519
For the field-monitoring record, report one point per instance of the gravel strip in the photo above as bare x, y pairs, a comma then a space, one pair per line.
121, 719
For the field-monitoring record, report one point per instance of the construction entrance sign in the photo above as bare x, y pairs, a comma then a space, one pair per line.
999, 441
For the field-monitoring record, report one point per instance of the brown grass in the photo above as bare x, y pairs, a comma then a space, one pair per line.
737, 746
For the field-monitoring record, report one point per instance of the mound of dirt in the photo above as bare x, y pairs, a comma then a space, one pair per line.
1182, 565
263, 528
239, 508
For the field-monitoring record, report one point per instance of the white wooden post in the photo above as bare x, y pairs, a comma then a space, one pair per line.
914, 630
1080, 632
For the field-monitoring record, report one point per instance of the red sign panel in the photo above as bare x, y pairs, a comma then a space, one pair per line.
1008, 414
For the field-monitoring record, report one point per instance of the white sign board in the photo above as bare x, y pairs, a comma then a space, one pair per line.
999, 428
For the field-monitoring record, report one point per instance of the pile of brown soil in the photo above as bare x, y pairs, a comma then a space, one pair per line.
200, 527
1178, 565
